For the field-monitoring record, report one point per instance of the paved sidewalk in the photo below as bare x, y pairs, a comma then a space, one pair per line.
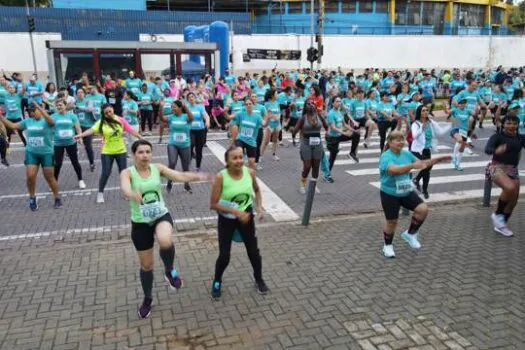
331, 289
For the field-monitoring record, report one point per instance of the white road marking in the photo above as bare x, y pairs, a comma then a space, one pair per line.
434, 180
272, 203
376, 160
97, 229
465, 165
462, 195
377, 151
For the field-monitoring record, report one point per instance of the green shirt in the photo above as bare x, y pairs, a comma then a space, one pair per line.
39, 135
179, 130
152, 206
113, 138
237, 193
64, 128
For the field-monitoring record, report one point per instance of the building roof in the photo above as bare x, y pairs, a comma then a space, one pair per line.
207, 5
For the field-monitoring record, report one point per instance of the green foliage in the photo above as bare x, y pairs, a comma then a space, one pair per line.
517, 15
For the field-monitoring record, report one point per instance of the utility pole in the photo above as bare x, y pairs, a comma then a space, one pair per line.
320, 24
31, 25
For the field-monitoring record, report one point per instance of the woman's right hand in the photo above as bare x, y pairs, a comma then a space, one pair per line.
244, 217
78, 137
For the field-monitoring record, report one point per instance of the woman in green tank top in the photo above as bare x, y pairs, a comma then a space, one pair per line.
142, 185
232, 197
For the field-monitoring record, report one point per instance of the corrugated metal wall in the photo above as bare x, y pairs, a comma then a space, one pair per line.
114, 24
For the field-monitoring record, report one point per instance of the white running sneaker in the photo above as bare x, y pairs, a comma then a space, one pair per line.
500, 226
388, 251
411, 239
100, 198
468, 151
505, 231
81, 184
258, 166
302, 189
275, 157
317, 190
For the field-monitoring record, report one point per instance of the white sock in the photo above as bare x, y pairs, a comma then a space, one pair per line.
456, 149
458, 157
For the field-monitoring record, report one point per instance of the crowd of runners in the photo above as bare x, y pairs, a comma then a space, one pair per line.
319, 109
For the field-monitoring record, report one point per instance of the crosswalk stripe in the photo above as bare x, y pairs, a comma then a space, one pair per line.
462, 195
434, 180
376, 160
377, 150
375, 171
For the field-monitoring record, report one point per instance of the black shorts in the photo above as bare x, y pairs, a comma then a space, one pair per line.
291, 123
361, 122
143, 235
391, 204
250, 150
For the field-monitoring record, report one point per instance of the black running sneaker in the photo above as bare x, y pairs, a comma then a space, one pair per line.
216, 290
261, 287
145, 308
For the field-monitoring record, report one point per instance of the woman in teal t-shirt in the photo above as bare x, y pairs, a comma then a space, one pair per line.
179, 124
66, 124
273, 122
85, 117
146, 108
397, 191
38, 152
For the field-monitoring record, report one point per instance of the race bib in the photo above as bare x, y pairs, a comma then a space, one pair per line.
135, 90
314, 141
228, 204
96, 110
404, 186
35, 141
463, 133
81, 116
12, 107
151, 211
112, 100
180, 137
64, 134
246, 132
196, 124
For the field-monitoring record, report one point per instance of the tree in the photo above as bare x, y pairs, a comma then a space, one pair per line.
38, 3
517, 16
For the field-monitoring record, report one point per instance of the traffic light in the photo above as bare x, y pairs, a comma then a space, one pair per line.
31, 23
312, 54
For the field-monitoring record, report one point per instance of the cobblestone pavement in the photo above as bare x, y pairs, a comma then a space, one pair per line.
331, 289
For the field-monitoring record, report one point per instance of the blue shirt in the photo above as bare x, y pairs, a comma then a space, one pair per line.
96, 101
31, 89
128, 106
275, 118
358, 109
387, 108
462, 116
395, 185
472, 98
198, 112
299, 106
86, 119
179, 130
336, 118
13, 106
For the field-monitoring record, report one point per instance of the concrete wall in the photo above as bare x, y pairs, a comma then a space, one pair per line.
356, 52
16, 54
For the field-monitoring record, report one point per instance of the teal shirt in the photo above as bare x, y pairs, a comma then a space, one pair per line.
498, 97
347, 103
145, 97
179, 130
198, 112
402, 105
39, 135
428, 137
387, 108
372, 106
133, 85
249, 125
128, 106
64, 128
96, 101
260, 92
395, 185
461, 116
259, 110
335, 117
299, 106
358, 109
85, 119
521, 116
236, 107
3, 93
13, 106
275, 110
168, 101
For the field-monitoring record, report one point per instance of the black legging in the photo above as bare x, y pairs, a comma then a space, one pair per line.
3, 147
260, 137
425, 173
332, 144
198, 140
88, 145
19, 132
382, 127
72, 153
146, 116
226, 228
107, 164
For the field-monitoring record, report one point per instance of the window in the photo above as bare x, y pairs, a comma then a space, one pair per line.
413, 13
331, 6
276, 8
349, 6
434, 15
401, 12
366, 6
496, 15
295, 8
382, 6
307, 7
471, 15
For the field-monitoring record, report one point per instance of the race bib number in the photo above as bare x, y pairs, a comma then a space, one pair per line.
180, 137
36, 141
463, 133
12, 107
228, 204
82, 116
404, 186
64, 134
314, 141
112, 100
196, 124
135, 90
247, 132
151, 211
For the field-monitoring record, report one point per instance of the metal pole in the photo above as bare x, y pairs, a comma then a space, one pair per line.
246, 6
168, 5
309, 201
312, 4
31, 40
209, 6
486, 192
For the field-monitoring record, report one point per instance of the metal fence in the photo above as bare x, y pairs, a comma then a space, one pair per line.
75, 24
